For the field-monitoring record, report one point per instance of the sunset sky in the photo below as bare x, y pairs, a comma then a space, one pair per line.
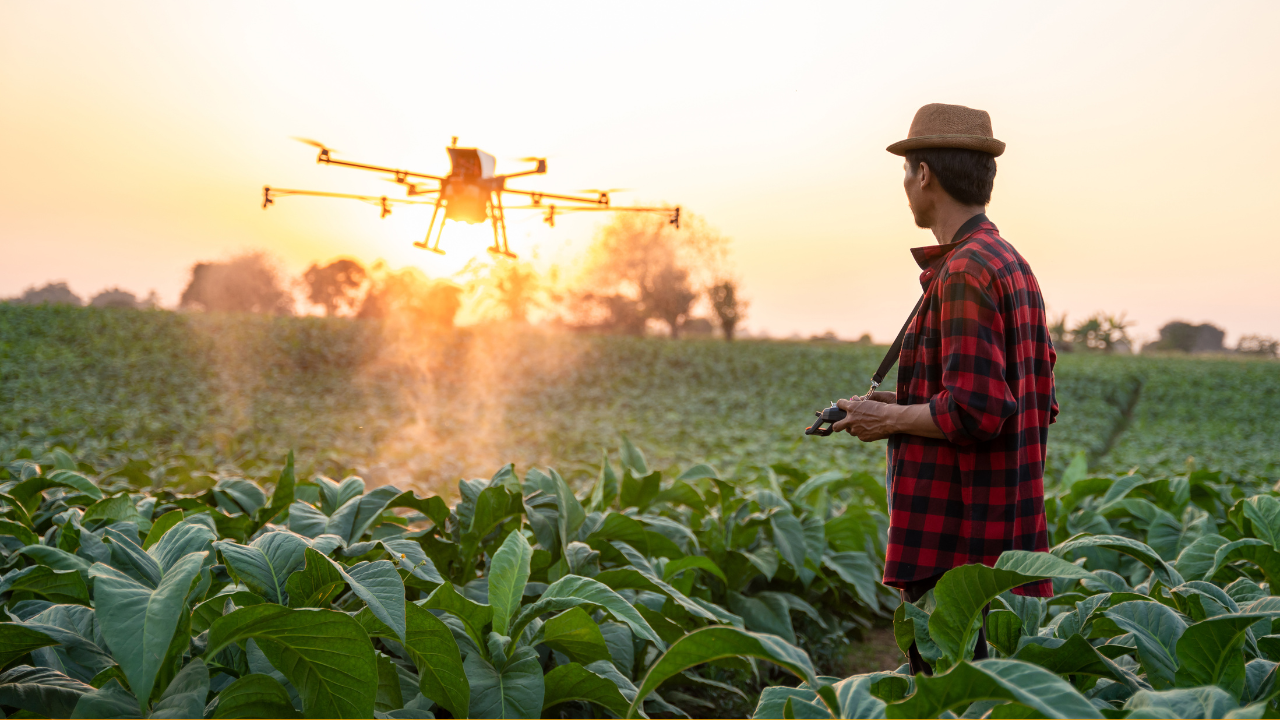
1141, 172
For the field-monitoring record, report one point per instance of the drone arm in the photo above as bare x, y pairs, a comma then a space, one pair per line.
400, 175
542, 195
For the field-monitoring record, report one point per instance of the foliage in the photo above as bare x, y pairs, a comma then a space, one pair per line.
1188, 338
411, 301
51, 294
728, 307
249, 283
1263, 345
322, 599
1099, 332
335, 286
1163, 607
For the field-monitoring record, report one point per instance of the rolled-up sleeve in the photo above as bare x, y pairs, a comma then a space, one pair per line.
976, 399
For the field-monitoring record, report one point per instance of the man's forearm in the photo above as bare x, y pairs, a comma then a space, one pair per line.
915, 420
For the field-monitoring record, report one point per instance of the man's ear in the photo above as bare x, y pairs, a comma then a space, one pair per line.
923, 175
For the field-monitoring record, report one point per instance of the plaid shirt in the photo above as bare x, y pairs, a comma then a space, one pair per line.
978, 352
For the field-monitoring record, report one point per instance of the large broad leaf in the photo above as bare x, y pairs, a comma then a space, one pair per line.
638, 578
18, 640
66, 586
56, 558
474, 616
788, 535
572, 590
1250, 550
185, 696
575, 634
1073, 656
410, 557
571, 514
74, 627
1210, 652
765, 613
1197, 558
18, 531
1156, 629
515, 691
508, 574
632, 458
137, 622
855, 698
1143, 553
1264, 512
129, 558
700, 562
1201, 702
859, 571
1011, 680
283, 495
567, 683
41, 691
316, 583
109, 701
110, 510
715, 643
431, 646
266, 563
964, 591
181, 540
254, 696
239, 496
325, 654
380, 587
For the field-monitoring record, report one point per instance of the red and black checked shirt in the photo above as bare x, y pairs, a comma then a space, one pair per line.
978, 352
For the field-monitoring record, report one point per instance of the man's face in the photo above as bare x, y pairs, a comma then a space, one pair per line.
914, 182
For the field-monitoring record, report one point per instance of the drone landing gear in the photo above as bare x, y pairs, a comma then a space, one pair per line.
426, 244
499, 218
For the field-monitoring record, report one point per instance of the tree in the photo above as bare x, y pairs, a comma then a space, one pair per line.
248, 283
729, 309
646, 261
50, 294
408, 296
115, 298
1185, 337
505, 288
668, 296
1099, 332
336, 285
1258, 345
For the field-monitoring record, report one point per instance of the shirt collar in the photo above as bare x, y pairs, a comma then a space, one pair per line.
929, 255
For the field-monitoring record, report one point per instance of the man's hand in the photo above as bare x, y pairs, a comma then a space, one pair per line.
888, 397
878, 416
867, 420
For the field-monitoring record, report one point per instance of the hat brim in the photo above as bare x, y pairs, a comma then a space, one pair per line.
962, 142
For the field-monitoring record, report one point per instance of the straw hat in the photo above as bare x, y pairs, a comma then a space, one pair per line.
949, 126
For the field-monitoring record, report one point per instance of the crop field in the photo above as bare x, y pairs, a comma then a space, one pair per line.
206, 516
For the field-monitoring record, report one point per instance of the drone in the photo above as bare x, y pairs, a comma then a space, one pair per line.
470, 193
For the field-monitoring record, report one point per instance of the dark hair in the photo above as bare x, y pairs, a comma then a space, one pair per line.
966, 175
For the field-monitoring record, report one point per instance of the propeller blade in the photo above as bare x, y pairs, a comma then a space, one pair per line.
605, 192
314, 143
530, 159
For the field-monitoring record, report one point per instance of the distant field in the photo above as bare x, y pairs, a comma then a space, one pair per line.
166, 394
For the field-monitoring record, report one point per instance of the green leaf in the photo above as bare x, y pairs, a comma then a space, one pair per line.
334, 496
1073, 656
1009, 680
41, 691
606, 487
473, 615
316, 584
515, 691
964, 591
1264, 512
239, 496
431, 646
380, 587
112, 510
185, 696
1156, 629
1197, 558
508, 574
859, 571
266, 563
638, 579
57, 586
1250, 550
325, 654
389, 696
1210, 652
254, 696
571, 515
632, 458
699, 562
137, 622
788, 535
1144, 554
283, 495
572, 590
162, 525
411, 558
18, 640
1201, 702
638, 491
55, 558
182, 540
1004, 629
567, 683
19, 531
855, 699
575, 634
715, 643
764, 613
110, 701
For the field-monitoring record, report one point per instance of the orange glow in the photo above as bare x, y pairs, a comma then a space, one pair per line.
136, 138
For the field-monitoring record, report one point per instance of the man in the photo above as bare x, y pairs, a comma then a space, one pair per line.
968, 422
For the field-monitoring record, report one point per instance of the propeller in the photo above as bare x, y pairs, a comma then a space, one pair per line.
530, 159
315, 144
604, 192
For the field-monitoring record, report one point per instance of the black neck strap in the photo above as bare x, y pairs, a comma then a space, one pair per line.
895, 350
